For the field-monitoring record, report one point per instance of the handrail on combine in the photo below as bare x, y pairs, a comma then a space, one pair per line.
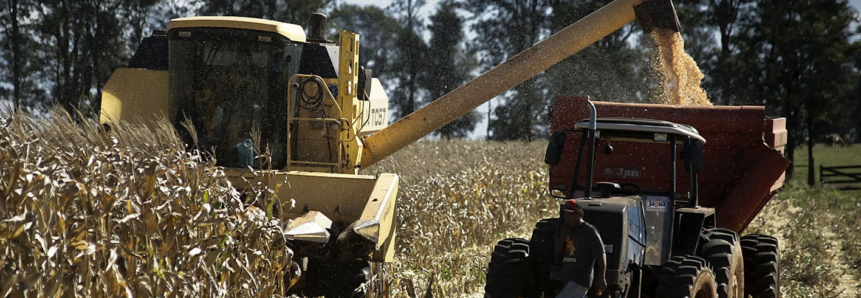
322, 97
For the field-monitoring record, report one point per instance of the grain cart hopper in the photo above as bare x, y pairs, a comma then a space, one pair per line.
253, 87
669, 188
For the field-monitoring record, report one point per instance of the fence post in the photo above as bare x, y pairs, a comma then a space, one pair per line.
821, 178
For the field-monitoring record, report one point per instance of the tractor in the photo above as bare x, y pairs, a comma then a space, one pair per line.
669, 189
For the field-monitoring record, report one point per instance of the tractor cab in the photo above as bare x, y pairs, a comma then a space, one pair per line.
625, 176
658, 148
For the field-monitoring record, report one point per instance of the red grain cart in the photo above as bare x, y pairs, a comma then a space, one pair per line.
669, 189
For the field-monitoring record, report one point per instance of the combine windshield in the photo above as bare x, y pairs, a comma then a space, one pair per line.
231, 85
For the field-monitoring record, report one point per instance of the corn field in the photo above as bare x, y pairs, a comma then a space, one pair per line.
457, 199
132, 213
89, 214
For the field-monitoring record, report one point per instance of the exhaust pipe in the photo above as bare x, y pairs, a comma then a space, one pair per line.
317, 27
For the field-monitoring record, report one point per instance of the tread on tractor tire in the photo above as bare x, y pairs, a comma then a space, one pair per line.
541, 257
508, 269
762, 266
686, 277
722, 249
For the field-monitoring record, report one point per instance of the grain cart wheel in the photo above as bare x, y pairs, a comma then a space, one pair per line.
762, 266
542, 254
508, 269
722, 249
687, 277
338, 278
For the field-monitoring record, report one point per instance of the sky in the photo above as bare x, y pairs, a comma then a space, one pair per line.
480, 131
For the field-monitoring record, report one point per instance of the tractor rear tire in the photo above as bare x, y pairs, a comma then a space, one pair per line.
762, 266
541, 257
508, 270
722, 249
687, 277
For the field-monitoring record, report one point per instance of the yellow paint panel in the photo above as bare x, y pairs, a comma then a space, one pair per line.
290, 31
321, 191
379, 215
367, 200
135, 95
375, 112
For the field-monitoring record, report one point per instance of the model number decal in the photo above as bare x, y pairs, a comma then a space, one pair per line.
378, 116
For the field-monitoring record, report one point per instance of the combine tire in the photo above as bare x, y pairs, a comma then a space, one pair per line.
542, 254
508, 270
762, 266
687, 277
722, 249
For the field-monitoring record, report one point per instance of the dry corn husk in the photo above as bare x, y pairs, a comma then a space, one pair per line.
85, 213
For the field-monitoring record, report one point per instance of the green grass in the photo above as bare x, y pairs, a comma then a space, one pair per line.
826, 156
817, 226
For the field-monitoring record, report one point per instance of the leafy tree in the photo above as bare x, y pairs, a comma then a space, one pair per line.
719, 58
16, 30
289, 11
377, 31
450, 65
82, 51
798, 58
505, 28
610, 69
409, 53
64, 50
143, 17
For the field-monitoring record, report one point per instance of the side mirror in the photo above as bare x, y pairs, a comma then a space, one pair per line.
694, 156
554, 148
364, 85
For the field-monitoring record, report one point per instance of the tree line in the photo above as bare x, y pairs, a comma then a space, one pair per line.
799, 58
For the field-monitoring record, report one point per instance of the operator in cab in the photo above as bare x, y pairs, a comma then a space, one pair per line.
580, 249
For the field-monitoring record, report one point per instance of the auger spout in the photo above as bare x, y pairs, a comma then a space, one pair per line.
512, 72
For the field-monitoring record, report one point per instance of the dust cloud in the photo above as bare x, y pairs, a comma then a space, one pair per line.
680, 74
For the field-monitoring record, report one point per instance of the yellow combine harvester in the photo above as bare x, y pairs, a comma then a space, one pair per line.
264, 96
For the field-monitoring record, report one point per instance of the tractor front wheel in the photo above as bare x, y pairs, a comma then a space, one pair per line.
541, 257
508, 270
722, 249
687, 277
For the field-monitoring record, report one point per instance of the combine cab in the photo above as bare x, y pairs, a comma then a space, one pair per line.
670, 189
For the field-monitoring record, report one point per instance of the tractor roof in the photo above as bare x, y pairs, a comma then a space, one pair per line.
647, 126
290, 31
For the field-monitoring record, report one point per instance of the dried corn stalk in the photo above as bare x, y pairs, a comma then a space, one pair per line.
85, 213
